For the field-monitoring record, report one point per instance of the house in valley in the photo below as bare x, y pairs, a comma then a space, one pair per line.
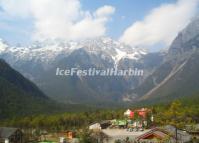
156, 135
10, 135
101, 125
139, 117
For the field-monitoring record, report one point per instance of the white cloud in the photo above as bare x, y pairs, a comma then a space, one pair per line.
19, 8
70, 22
104, 11
62, 19
161, 25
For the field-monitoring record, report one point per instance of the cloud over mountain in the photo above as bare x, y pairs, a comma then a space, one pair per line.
30, 20
161, 25
63, 19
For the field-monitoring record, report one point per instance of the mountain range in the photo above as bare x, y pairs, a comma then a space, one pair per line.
39, 62
167, 75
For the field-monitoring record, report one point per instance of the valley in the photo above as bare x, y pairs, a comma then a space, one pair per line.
69, 73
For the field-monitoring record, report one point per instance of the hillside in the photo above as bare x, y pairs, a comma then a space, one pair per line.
19, 96
178, 75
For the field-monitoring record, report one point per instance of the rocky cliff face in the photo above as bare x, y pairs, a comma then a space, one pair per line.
40, 60
177, 76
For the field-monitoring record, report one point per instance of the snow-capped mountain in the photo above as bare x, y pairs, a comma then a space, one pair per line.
47, 51
39, 61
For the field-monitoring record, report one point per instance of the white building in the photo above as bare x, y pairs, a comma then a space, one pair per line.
95, 126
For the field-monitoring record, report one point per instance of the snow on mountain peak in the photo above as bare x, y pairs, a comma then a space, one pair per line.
113, 48
49, 50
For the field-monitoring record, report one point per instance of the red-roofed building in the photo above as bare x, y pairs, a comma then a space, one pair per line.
141, 113
139, 117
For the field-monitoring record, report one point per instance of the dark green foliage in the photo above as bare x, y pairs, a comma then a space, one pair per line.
86, 137
188, 111
19, 96
17, 80
63, 121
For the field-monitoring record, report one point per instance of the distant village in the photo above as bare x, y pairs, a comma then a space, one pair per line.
137, 126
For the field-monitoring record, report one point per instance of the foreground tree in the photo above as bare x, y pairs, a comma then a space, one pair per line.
85, 136
176, 115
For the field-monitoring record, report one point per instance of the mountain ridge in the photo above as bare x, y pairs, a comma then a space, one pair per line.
19, 96
39, 61
182, 56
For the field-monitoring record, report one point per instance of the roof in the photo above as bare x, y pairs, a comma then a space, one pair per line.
102, 122
105, 122
159, 133
6, 132
141, 112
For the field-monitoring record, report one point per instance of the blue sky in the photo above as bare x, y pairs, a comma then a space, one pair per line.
131, 10
134, 22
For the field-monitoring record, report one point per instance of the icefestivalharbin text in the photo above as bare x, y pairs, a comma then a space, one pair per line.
99, 72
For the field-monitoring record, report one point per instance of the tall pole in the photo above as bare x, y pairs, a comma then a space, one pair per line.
176, 132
